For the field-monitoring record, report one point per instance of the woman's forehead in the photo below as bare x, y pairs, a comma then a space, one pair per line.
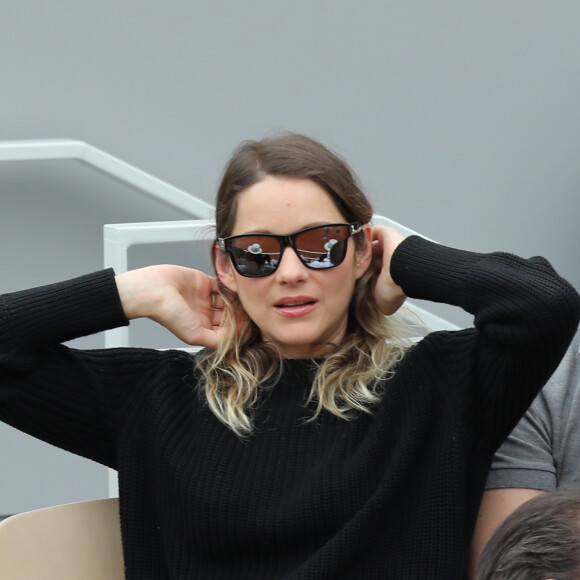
279, 204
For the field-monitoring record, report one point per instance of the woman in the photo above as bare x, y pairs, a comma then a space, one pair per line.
307, 440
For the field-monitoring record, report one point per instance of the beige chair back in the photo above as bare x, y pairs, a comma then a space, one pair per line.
77, 541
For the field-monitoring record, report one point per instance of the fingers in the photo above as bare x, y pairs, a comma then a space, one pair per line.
214, 285
389, 296
217, 301
377, 250
216, 318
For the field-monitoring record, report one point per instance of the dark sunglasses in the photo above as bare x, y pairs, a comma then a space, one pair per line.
319, 248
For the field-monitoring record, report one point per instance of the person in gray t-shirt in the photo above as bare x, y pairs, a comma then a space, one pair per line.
541, 454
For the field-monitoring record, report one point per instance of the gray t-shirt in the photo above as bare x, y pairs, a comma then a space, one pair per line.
543, 450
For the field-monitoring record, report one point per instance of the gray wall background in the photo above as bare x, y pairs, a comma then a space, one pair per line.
461, 119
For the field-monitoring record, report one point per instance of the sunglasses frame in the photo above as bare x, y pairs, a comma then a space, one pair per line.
287, 241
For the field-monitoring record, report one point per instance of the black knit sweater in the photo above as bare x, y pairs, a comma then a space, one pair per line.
393, 494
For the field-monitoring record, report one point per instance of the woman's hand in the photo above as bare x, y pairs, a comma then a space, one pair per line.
388, 295
183, 300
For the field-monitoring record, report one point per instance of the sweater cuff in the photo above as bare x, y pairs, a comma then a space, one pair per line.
66, 310
430, 271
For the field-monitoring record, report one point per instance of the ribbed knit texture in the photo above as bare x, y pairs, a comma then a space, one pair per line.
388, 495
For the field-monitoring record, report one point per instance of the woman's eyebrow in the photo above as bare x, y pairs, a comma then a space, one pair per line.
255, 231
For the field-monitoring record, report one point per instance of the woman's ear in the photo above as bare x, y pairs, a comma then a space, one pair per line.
224, 268
364, 253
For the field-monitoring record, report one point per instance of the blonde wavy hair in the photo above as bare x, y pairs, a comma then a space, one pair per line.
349, 379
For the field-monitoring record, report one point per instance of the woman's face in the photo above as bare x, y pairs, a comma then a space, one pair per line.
299, 309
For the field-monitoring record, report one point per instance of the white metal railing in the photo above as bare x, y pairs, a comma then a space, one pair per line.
63, 149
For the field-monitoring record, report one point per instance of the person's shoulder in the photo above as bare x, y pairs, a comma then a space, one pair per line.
564, 384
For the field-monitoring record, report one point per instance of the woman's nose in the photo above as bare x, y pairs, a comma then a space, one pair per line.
291, 268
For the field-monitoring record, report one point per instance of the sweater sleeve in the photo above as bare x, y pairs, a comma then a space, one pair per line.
525, 316
50, 391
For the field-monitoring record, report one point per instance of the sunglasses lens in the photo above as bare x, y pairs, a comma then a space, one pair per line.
323, 247
255, 256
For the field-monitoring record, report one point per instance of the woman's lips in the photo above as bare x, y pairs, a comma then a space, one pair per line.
292, 307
